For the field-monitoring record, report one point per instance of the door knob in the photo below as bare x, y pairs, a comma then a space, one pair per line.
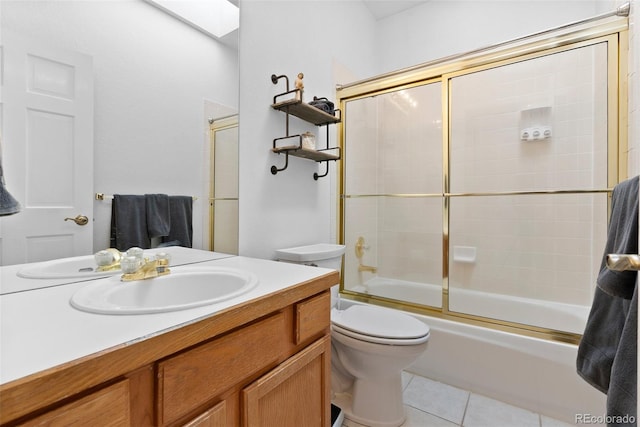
80, 220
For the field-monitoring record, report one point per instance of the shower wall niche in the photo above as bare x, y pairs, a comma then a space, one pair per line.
482, 193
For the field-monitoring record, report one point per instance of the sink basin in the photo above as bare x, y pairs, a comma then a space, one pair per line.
64, 268
185, 288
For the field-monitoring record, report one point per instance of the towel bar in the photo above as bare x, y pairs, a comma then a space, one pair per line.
102, 196
618, 262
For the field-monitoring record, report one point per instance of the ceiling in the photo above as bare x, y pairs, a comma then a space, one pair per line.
384, 8
380, 9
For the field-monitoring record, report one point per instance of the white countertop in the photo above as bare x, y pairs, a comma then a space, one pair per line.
39, 329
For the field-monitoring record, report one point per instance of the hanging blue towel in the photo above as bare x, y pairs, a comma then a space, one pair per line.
129, 222
607, 354
158, 215
181, 211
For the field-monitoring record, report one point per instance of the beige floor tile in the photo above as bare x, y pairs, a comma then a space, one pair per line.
436, 398
486, 412
417, 418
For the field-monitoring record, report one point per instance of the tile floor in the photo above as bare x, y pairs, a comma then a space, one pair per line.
431, 403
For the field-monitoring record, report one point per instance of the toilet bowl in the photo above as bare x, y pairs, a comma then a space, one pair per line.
370, 348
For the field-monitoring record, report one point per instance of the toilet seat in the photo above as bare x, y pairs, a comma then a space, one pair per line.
379, 325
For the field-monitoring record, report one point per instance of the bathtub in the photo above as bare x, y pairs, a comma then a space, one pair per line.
531, 373
529, 311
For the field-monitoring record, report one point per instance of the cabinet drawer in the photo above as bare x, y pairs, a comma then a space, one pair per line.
312, 316
106, 407
192, 378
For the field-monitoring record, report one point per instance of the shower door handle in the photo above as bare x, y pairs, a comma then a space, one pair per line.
80, 220
623, 262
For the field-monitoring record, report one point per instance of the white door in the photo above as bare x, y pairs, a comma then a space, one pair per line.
46, 101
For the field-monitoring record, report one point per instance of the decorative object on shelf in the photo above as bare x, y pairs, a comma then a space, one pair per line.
299, 86
303, 147
308, 141
323, 104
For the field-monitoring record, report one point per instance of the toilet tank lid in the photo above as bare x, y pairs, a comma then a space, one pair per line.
310, 252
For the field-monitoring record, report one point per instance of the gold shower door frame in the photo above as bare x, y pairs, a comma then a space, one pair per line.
612, 31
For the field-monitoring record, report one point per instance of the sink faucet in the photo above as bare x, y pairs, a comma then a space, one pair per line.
135, 268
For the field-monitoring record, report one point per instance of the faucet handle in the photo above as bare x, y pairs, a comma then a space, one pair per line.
163, 257
361, 247
130, 264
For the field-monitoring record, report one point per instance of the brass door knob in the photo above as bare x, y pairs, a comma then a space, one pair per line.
80, 220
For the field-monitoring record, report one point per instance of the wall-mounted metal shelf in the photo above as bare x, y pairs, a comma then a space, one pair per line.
295, 107
315, 155
305, 112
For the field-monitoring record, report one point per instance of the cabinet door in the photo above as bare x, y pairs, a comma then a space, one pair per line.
106, 407
296, 393
214, 417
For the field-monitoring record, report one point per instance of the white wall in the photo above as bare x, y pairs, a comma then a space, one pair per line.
440, 28
324, 40
156, 79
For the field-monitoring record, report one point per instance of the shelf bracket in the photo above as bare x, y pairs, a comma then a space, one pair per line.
326, 172
275, 170
274, 79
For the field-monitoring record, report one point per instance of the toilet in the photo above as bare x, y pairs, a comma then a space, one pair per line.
370, 347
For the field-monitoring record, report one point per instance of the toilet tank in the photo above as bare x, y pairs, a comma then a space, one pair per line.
325, 255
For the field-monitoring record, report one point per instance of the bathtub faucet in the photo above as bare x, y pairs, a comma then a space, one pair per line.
360, 248
369, 268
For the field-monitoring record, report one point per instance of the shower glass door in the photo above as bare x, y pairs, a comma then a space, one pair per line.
528, 163
477, 189
392, 186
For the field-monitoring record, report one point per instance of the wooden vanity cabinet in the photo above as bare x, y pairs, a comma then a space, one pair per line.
278, 371
267, 365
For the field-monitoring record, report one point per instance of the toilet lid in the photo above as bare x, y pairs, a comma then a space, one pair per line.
379, 322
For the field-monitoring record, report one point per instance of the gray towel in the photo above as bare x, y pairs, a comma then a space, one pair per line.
8, 204
181, 234
129, 222
158, 215
622, 396
607, 354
